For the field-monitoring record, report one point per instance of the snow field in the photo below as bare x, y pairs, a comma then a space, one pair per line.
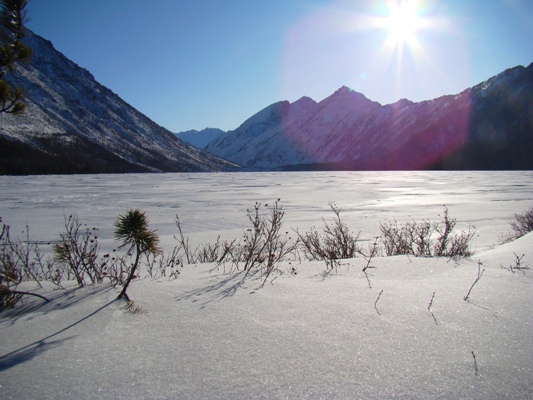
211, 334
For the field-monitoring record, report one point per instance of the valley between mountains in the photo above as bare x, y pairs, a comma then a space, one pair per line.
73, 124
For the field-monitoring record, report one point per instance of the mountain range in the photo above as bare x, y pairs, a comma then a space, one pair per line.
488, 126
201, 138
73, 124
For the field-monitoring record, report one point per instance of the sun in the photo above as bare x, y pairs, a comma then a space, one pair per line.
402, 22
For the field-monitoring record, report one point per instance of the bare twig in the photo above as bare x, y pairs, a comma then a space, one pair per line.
376, 302
372, 251
367, 279
475, 363
479, 274
430, 310
184, 241
517, 265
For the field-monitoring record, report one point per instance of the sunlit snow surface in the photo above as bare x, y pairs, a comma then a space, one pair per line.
210, 335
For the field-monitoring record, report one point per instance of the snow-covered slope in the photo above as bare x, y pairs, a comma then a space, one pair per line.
74, 124
201, 138
486, 127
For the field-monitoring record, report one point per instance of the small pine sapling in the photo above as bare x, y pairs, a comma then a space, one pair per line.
132, 231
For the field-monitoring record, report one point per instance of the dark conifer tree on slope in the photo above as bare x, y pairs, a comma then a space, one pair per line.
13, 16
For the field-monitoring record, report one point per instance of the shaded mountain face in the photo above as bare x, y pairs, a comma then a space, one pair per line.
489, 126
500, 124
73, 124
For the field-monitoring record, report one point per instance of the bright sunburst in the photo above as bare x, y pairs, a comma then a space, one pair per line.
402, 22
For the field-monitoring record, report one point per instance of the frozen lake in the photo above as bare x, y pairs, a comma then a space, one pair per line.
212, 204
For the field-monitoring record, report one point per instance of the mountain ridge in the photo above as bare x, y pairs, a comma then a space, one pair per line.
73, 124
348, 131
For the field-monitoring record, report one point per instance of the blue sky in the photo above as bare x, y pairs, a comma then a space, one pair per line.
191, 64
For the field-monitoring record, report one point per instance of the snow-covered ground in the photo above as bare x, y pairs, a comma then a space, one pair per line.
211, 335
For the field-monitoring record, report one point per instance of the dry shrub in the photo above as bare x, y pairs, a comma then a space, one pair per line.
336, 242
426, 238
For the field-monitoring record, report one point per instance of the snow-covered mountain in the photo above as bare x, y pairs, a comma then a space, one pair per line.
73, 124
201, 138
489, 126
